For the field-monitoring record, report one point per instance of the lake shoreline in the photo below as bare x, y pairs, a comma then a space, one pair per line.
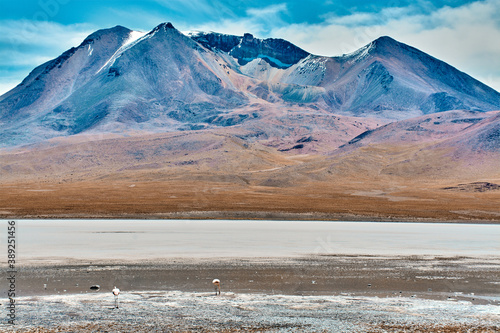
250, 216
433, 277
275, 276
177, 311
309, 294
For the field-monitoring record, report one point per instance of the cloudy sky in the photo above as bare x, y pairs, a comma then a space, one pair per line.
465, 34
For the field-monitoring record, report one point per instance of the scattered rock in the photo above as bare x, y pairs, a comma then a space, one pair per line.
294, 147
474, 187
306, 139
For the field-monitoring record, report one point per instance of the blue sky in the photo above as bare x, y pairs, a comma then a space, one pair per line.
466, 34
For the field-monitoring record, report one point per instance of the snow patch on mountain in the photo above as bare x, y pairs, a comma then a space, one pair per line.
360, 54
271, 60
132, 39
196, 33
260, 69
134, 35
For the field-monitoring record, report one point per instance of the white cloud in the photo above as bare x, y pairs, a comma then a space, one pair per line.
233, 27
7, 85
272, 10
258, 21
42, 33
25, 44
22, 59
139, 19
354, 19
211, 8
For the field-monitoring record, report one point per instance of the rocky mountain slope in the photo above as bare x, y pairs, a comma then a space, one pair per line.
384, 78
120, 81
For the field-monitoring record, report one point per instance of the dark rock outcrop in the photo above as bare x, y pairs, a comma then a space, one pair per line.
474, 187
214, 40
251, 48
277, 52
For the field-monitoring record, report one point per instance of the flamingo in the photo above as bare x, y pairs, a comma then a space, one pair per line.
116, 292
216, 283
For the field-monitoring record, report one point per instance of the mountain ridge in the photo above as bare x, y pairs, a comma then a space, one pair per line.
165, 81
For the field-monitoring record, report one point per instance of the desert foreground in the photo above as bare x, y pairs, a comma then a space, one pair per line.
321, 294
276, 276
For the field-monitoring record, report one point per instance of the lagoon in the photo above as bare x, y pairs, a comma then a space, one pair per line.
152, 239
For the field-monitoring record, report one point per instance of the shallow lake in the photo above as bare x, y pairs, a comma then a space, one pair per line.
142, 239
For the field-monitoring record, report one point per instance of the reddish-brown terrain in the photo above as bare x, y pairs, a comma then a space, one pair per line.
390, 174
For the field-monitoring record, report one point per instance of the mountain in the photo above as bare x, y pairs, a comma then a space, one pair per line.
465, 139
208, 125
446, 146
385, 77
121, 81
50, 83
398, 77
162, 80
428, 128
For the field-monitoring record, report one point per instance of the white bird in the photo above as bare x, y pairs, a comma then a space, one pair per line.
116, 292
216, 283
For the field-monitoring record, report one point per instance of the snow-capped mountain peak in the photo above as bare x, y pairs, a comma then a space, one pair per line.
119, 79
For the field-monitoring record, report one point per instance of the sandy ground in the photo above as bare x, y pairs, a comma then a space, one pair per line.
218, 175
311, 294
225, 200
202, 312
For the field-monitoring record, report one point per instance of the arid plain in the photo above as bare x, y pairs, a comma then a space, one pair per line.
216, 174
221, 183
